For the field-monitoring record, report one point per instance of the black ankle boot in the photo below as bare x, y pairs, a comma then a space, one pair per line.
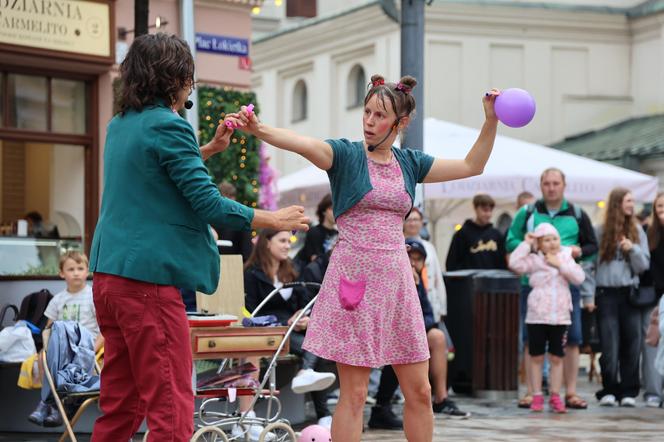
383, 418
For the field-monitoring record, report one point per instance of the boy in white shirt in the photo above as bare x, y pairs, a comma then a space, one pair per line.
72, 304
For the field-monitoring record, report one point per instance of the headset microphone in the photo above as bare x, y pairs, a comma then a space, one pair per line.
188, 104
372, 147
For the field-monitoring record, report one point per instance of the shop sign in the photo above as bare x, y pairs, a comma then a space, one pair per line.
222, 45
77, 26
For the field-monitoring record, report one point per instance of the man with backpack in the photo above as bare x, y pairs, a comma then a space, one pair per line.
576, 231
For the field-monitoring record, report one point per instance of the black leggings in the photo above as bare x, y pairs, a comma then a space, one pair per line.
387, 387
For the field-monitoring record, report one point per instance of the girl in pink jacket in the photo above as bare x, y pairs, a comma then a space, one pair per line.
550, 269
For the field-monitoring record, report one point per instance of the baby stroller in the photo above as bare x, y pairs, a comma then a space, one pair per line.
215, 425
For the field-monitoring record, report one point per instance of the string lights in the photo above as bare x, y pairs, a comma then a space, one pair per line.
240, 163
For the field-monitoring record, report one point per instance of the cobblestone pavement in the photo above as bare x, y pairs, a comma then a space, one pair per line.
503, 421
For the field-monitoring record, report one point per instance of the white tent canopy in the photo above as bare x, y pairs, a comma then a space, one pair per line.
514, 166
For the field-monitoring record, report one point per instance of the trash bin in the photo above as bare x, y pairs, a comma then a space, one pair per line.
483, 320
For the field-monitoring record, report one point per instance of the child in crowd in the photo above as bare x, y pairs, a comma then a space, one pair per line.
550, 269
72, 304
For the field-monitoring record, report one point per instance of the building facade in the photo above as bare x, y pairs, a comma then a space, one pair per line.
58, 61
588, 64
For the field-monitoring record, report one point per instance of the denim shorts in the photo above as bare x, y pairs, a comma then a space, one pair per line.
574, 336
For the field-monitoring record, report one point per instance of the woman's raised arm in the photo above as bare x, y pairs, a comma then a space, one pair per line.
473, 164
318, 152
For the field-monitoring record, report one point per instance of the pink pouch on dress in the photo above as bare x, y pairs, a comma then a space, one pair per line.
351, 293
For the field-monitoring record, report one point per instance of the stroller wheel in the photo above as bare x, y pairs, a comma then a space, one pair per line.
278, 432
209, 434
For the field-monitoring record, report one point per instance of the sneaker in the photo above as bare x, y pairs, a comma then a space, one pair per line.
556, 403
653, 401
53, 419
309, 380
37, 417
325, 422
608, 400
383, 418
449, 409
253, 432
628, 402
538, 403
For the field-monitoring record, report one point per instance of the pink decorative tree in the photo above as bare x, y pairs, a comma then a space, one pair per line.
267, 179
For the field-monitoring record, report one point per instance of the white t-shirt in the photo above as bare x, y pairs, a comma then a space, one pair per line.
77, 307
285, 293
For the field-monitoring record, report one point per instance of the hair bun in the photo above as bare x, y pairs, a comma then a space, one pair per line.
377, 78
408, 81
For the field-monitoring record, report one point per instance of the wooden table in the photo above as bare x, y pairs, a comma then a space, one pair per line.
236, 342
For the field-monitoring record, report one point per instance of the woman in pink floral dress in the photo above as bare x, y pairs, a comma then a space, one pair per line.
368, 313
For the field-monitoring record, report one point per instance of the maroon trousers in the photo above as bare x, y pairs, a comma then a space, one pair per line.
147, 361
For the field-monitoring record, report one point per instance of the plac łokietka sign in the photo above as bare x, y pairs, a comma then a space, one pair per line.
220, 44
77, 26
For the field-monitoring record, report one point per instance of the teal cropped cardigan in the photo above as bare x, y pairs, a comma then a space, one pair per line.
349, 174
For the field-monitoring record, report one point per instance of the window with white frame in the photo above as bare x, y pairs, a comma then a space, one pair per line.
356, 87
300, 99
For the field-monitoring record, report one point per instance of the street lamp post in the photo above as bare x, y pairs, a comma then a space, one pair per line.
412, 63
188, 31
141, 17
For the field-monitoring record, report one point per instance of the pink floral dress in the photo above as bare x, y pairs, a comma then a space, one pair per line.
368, 313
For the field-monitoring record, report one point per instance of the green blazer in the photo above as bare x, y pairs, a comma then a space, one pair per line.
158, 202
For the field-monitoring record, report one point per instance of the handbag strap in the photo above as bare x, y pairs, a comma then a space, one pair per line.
631, 272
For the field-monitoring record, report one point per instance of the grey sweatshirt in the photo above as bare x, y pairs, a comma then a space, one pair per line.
617, 272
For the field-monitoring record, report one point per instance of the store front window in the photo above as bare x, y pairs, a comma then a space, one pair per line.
43, 148
42, 197
68, 106
28, 102
46, 104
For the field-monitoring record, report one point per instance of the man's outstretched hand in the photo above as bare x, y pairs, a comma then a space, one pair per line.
289, 219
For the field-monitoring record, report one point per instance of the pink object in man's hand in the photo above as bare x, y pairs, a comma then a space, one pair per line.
229, 124
250, 108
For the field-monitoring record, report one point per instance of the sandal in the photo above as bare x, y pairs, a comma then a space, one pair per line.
575, 402
525, 401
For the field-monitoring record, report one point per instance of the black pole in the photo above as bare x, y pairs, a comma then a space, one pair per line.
412, 63
141, 17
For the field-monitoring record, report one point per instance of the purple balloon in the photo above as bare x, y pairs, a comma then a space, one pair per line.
315, 433
515, 107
